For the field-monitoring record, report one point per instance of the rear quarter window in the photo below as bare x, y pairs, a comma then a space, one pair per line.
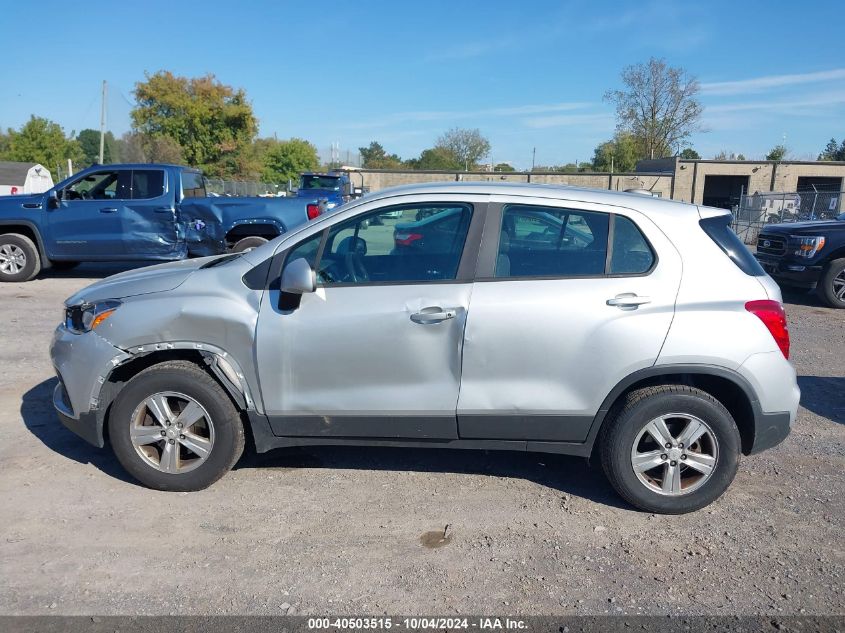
718, 228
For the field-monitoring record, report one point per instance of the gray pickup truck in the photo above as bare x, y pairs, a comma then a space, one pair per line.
140, 212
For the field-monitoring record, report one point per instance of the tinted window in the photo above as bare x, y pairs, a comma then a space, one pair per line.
631, 253
719, 230
307, 249
193, 185
101, 185
320, 182
545, 241
397, 244
147, 183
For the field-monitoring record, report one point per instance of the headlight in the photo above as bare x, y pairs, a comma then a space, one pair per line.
87, 316
806, 246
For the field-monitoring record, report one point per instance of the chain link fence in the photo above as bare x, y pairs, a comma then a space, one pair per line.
756, 210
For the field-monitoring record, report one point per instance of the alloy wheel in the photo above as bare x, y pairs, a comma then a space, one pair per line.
839, 286
172, 432
674, 454
12, 259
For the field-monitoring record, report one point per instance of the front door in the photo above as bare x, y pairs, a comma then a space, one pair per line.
569, 301
376, 350
87, 225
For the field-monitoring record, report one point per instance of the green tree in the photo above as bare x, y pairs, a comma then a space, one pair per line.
438, 158
621, 153
833, 151
286, 159
213, 124
659, 105
690, 154
778, 152
503, 167
375, 157
42, 141
89, 142
467, 146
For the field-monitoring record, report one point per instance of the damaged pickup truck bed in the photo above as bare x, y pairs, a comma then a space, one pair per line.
142, 212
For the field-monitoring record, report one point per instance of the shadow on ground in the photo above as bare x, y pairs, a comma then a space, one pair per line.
93, 270
824, 396
40, 418
571, 475
807, 298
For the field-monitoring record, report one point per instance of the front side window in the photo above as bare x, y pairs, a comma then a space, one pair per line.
551, 242
101, 185
403, 244
147, 183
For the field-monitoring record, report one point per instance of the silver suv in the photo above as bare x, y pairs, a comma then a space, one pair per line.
617, 326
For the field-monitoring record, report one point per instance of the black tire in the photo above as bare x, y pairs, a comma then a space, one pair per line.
248, 243
833, 274
186, 378
634, 413
63, 265
19, 258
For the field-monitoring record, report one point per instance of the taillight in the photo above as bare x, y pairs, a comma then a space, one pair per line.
774, 318
312, 210
406, 239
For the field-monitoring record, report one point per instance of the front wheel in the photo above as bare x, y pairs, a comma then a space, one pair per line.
670, 449
832, 284
174, 428
19, 258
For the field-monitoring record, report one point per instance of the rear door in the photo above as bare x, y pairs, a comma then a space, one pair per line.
88, 221
149, 217
571, 298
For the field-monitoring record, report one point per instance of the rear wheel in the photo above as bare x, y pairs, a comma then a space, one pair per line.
174, 428
19, 259
832, 284
670, 449
248, 243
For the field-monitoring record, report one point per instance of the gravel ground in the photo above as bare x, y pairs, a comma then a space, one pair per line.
359, 530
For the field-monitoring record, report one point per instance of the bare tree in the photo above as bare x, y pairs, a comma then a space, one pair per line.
467, 146
658, 105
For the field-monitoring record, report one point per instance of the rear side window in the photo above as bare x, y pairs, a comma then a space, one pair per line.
147, 183
719, 230
631, 254
551, 242
193, 185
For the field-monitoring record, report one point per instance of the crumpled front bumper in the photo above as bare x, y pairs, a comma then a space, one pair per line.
82, 363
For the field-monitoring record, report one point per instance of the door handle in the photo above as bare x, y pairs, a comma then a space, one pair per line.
108, 210
628, 300
435, 314
163, 210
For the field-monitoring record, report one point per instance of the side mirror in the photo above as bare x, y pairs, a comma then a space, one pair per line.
53, 199
298, 277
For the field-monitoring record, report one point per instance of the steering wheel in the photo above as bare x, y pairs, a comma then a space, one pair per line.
353, 249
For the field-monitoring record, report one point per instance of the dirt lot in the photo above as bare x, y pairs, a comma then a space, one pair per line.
358, 530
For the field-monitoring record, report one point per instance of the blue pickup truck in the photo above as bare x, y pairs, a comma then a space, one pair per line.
143, 212
335, 187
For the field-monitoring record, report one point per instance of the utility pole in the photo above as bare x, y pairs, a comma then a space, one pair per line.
103, 121
533, 158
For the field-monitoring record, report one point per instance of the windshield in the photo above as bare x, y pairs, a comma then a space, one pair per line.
320, 182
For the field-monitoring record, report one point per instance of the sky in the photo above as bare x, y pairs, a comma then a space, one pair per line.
527, 74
